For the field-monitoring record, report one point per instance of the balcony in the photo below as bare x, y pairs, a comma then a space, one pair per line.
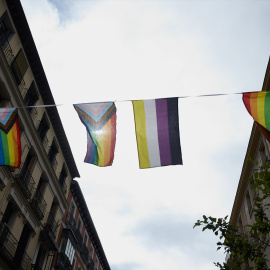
54, 163
22, 88
52, 155
39, 205
8, 247
26, 182
48, 238
51, 224
64, 188
90, 265
79, 238
48, 234
70, 222
62, 262
85, 253
35, 267
45, 142
7, 49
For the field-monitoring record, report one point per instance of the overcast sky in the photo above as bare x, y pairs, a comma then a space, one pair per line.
122, 50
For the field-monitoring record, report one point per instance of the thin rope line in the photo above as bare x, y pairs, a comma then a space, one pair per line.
206, 95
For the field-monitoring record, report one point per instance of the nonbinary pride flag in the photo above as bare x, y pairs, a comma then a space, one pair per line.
157, 132
10, 141
100, 122
258, 106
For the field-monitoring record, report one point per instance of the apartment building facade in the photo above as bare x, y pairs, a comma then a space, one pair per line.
258, 150
33, 197
78, 241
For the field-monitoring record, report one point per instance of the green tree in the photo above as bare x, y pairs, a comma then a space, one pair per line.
246, 244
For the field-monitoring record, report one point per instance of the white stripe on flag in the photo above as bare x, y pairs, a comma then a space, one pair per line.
151, 132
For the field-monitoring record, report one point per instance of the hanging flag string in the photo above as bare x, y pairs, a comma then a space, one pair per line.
127, 100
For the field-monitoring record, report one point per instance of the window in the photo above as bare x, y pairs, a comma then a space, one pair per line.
69, 251
52, 153
79, 225
41, 257
22, 244
73, 264
72, 209
10, 214
31, 96
41, 186
43, 128
91, 251
6, 30
63, 176
24, 178
19, 67
85, 239
28, 165
96, 263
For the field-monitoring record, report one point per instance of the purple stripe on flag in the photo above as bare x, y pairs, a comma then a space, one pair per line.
163, 132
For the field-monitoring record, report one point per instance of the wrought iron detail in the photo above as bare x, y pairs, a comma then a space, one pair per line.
26, 182
90, 264
62, 262
85, 253
79, 238
70, 222
64, 188
39, 205
35, 267
8, 247
51, 224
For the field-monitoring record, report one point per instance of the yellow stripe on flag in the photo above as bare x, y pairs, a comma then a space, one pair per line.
11, 148
107, 143
140, 125
253, 105
101, 143
260, 108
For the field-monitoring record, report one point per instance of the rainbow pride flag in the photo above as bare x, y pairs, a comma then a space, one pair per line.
10, 140
157, 132
100, 122
258, 106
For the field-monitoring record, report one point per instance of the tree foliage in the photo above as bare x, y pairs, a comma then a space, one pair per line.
245, 244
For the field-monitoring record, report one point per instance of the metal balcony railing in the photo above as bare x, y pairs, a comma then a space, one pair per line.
8, 243
35, 267
7, 49
70, 222
26, 182
51, 224
8, 247
64, 188
79, 238
45, 142
33, 113
26, 262
85, 253
16, 72
90, 264
22, 87
39, 205
62, 262
54, 163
